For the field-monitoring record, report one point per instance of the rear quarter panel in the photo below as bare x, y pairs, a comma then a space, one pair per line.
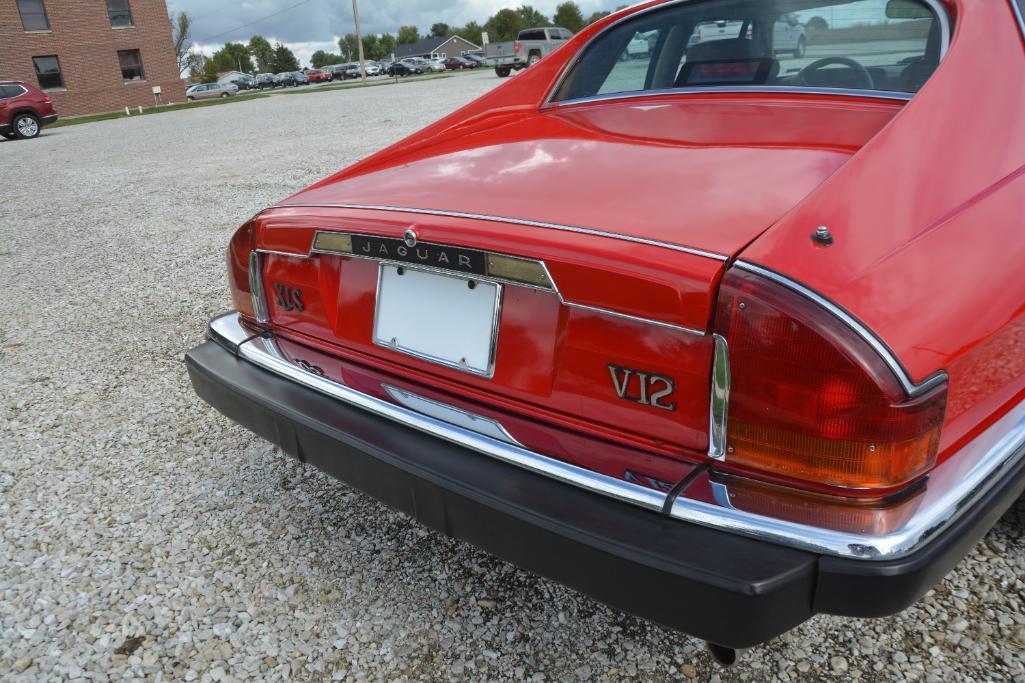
928, 220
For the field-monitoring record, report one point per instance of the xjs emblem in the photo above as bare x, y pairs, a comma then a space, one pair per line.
648, 389
289, 298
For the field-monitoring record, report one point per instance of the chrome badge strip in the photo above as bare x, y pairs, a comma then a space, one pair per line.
514, 221
343, 244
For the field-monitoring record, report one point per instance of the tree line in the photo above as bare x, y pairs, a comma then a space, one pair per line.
259, 56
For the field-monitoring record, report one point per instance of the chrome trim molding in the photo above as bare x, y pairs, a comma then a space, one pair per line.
496, 315
439, 410
910, 387
259, 298
948, 491
264, 352
1018, 15
554, 289
282, 253
936, 6
720, 400
761, 89
514, 221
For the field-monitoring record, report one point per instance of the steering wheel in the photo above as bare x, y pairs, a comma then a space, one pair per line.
816, 67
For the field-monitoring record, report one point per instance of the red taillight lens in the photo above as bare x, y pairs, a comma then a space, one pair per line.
47, 99
240, 257
517, 47
811, 400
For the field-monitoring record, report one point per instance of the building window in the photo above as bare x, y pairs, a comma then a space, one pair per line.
131, 65
33, 15
48, 72
120, 13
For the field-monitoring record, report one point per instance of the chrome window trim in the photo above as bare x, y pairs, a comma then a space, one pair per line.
909, 385
719, 402
496, 316
947, 492
936, 5
554, 289
1018, 16
514, 221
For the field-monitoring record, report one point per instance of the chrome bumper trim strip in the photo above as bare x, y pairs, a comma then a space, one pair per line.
948, 491
502, 219
264, 352
910, 386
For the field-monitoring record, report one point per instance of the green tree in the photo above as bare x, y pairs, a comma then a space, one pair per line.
349, 47
440, 30
260, 48
321, 58
210, 71
181, 34
387, 44
530, 17
567, 15
504, 25
371, 47
284, 59
233, 57
408, 35
597, 16
470, 32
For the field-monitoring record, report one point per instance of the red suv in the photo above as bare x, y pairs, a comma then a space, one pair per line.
24, 110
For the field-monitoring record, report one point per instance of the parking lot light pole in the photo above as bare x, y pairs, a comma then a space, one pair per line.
359, 42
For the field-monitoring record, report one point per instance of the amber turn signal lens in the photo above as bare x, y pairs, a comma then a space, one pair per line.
810, 400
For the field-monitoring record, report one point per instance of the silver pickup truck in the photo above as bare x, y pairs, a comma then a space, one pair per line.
529, 47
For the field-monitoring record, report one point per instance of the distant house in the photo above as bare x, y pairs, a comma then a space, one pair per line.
445, 46
229, 76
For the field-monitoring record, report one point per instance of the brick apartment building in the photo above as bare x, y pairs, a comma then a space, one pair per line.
91, 56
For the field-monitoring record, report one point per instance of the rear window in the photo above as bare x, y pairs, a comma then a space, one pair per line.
539, 34
871, 45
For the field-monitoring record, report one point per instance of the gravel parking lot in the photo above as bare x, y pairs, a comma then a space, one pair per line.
144, 535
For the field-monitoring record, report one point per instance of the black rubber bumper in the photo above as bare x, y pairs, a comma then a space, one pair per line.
728, 589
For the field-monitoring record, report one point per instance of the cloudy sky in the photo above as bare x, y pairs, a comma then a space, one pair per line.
317, 24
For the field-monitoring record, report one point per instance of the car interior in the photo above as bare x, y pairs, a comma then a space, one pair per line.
837, 44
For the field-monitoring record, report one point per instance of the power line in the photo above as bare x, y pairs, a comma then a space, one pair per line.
257, 21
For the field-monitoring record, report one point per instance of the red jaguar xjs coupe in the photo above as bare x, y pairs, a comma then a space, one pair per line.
722, 333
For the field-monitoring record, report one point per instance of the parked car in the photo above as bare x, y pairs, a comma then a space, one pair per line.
477, 59
318, 76
336, 70
425, 65
286, 79
777, 370
456, 63
209, 91
24, 110
403, 68
241, 82
299, 78
529, 47
267, 81
788, 33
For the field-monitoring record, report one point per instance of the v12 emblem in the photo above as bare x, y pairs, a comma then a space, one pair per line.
289, 298
648, 389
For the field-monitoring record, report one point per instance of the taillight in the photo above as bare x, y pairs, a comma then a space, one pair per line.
517, 47
811, 400
244, 274
47, 99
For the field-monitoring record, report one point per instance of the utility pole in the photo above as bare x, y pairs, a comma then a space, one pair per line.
359, 41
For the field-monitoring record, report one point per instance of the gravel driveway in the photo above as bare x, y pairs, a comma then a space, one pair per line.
144, 535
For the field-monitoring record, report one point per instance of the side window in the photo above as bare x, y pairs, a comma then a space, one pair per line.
9, 91
33, 15
48, 72
630, 71
131, 65
119, 13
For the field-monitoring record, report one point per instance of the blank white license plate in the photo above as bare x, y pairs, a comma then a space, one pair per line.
444, 319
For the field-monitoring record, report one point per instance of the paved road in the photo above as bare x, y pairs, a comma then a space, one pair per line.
142, 535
